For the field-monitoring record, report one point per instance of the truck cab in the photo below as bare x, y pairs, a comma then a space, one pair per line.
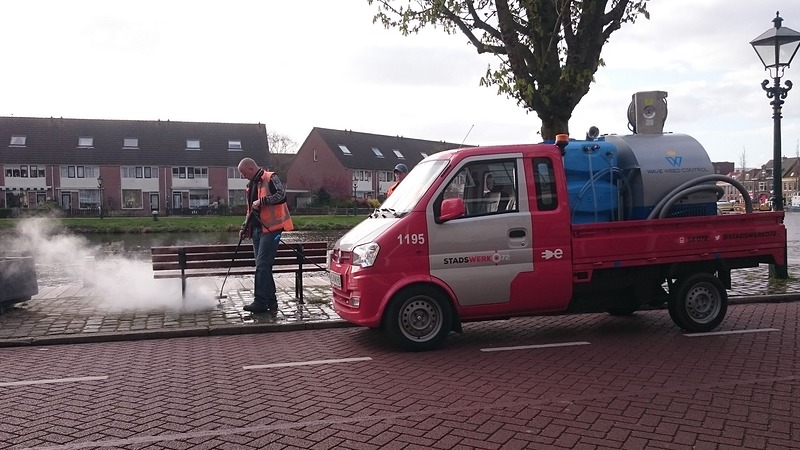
469, 234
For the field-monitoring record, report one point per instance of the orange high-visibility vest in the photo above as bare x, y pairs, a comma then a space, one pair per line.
391, 188
272, 217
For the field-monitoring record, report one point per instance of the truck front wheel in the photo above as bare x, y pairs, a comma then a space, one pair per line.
699, 303
418, 319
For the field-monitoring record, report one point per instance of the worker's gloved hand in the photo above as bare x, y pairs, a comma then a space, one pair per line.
245, 232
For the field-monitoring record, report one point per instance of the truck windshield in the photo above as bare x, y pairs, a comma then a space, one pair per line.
408, 193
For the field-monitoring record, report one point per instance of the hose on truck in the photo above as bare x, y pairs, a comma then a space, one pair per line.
662, 207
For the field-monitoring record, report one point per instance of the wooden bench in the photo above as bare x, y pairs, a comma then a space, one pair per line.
214, 260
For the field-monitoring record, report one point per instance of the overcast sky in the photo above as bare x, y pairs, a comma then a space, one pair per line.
294, 65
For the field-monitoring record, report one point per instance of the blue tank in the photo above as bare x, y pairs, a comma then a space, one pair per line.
592, 173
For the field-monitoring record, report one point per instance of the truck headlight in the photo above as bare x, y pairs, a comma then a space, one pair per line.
366, 254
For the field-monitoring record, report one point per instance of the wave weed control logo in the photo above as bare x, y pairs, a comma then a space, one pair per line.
673, 159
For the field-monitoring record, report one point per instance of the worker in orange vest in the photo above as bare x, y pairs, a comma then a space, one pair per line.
266, 199
400, 172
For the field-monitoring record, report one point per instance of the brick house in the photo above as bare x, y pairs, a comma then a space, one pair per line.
349, 164
129, 167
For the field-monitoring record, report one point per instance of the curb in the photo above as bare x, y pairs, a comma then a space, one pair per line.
224, 330
232, 330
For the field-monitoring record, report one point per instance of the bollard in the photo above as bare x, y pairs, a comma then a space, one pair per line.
155, 215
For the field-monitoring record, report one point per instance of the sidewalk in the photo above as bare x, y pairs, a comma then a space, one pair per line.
73, 314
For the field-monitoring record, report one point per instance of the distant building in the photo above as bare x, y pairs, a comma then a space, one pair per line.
350, 164
129, 167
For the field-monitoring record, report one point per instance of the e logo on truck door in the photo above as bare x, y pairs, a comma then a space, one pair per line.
557, 254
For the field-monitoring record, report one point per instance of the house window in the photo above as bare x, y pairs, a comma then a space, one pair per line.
148, 172
80, 172
89, 199
198, 198
190, 172
18, 141
70, 171
85, 142
34, 172
23, 171
234, 145
233, 174
130, 143
398, 154
377, 152
131, 199
193, 144
344, 149
139, 172
236, 197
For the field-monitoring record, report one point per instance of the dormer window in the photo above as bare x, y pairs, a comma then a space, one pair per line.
344, 149
234, 145
377, 152
193, 144
130, 143
18, 141
85, 142
398, 154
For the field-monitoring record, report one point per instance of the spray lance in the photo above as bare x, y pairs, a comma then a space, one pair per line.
248, 222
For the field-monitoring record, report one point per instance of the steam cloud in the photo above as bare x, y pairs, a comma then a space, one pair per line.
118, 283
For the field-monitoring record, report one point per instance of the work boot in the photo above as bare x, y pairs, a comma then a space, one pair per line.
256, 307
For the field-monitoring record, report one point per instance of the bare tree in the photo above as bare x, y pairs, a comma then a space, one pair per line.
282, 149
549, 50
280, 143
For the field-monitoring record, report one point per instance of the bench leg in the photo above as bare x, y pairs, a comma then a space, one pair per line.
298, 287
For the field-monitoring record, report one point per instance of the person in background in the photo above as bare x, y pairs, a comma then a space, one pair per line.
400, 172
266, 201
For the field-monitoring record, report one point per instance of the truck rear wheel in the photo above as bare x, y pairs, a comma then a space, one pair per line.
418, 319
699, 304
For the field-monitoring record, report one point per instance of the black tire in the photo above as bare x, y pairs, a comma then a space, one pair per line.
418, 318
699, 304
621, 312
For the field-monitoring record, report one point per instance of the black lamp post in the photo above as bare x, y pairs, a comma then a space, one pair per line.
776, 48
100, 187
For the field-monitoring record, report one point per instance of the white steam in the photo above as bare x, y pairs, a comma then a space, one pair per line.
116, 283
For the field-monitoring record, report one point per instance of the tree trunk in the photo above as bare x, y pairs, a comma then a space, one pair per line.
552, 125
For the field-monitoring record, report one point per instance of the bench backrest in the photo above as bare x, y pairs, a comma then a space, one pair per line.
309, 256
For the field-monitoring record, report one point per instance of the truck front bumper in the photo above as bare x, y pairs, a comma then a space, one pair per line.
362, 297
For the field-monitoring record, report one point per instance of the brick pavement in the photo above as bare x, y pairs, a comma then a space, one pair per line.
74, 313
638, 383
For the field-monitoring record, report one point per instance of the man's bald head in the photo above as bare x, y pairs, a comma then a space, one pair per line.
248, 168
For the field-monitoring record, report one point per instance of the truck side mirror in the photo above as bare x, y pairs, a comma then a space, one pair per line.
451, 209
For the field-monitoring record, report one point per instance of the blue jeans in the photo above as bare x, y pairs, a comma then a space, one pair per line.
265, 247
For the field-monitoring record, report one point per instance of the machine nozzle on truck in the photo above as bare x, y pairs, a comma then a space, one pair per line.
607, 224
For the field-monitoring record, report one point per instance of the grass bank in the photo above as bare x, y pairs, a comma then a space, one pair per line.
183, 224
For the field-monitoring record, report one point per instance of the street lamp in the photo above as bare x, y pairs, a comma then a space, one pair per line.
100, 187
776, 48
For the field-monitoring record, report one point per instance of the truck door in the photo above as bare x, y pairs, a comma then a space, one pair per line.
551, 282
481, 254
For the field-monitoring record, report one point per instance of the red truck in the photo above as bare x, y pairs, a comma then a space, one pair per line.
606, 225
